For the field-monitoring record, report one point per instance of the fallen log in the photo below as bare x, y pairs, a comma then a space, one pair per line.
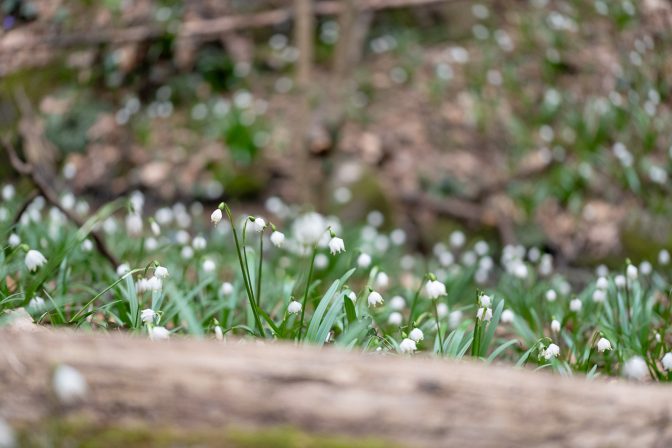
194, 384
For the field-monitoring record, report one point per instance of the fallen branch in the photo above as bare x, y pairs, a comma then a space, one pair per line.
195, 385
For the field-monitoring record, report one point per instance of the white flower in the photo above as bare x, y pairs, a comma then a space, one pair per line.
507, 316
134, 224
123, 269
158, 333
7, 436
187, 253
308, 228
147, 315
277, 238
36, 303
336, 245
599, 296
416, 335
619, 280
209, 265
259, 224
199, 243
34, 259
407, 346
321, 261
457, 239
435, 289
645, 267
486, 301
520, 270
161, 272
395, 318
154, 284
14, 240
216, 216
631, 272
602, 283
364, 260
664, 257
294, 307
635, 368
603, 344
352, 296
397, 303
555, 326
552, 351
141, 285
667, 361
454, 318
375, 299
156, 229
8, 192
219, 334
382, 280
69, 385
575, 305
226, 288
551, 295
484, 314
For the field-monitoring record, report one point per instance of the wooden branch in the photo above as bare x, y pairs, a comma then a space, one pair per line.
194, 385
51, 197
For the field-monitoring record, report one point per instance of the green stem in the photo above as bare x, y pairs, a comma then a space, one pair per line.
477, 337
438, 326
261, 258
305, 294
413, 304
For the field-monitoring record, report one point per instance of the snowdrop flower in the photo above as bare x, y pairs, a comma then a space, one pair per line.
407, 346
382, 280
375, 299
226, 288
484, 314
520, 270
187, 253
336, 245
619, 281
395, 318
158, 333
321, 261
199, 243
151, 244
364, 260
352, 296
435, 289
34, 259
182, 237
454, 318
154, 226
36, 303
602, 283
277, 238
635, 368
551, 295
69, 385
87, 245
507, 316
416, 335
645, 267
8, 192
555, 326
14, 240
631, 272
147, 315
457, 239
667, 361
219, 334
161, 272
154, 284
397, 303
599, 296
485, 301
552, 351
141, 285
575, 305
603, 344
308, 228
294, 307
209, 265
216, 216
134, 224
664, 257
259, 224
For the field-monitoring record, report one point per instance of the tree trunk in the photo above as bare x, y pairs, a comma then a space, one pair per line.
194, 384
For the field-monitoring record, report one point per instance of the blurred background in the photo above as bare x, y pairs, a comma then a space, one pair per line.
540, 122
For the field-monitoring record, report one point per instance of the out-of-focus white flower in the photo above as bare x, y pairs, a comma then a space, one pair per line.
407, 346
134, 224
158, 333
457, 239
620, 281
277, 238
603, 344
187, 253
259, 224
364, 260
321, 261
14, 240
635, 368
416, 335
555, 326
336, 245
209, 265
507, 316
484, 314
631, 272
161, 272
375, 298
219, 334
147, 315
551, 295
667, 361
352, 296
156, 229
199, 243
8, 192
602, 283
435, 289
7, 436
645, 267
226, 288
182, 237
309, 228
382, 280
552, 351
599, 296
575, 305
294, 307
154, 284
34, 259
664, 257
397, 303
395, 318
87, 245
454, 318
69, 385
485, 301
216, 216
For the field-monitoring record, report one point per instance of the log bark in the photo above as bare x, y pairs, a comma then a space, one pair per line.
417, 402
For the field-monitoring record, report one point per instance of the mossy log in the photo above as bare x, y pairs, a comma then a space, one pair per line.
199, 385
